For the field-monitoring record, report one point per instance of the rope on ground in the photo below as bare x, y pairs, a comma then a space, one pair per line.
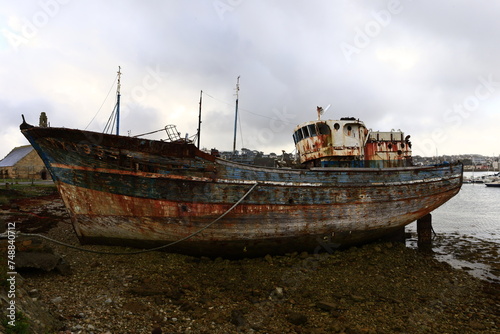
146, 250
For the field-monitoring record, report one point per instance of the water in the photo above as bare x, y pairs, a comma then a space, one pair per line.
468, 230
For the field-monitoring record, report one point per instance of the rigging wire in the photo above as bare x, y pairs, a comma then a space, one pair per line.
109, 92
111, 121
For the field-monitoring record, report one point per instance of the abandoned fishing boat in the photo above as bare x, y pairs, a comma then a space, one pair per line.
355, 186
352, 185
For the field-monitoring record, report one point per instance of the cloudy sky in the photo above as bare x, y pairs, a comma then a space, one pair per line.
428, 68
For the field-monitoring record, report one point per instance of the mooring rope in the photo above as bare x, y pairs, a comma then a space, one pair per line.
142, 251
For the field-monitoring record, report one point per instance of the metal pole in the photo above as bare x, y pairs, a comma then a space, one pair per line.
199, 121
236, 114
118, 103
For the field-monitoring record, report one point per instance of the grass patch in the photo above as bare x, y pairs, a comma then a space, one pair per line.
22, 325
16, 191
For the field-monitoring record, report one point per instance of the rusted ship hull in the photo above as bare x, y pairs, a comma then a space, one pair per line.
144, 193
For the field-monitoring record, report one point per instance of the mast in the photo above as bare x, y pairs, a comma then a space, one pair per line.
118, 102
236, 113
199, 120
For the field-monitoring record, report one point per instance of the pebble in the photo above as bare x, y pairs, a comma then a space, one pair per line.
56, 300
297, 319
34, 293
357, 298
327, 306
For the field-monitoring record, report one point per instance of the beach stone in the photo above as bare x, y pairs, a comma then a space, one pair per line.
298, 319
56, 300
278, 292
326, 306
34, 293
237, 317
37, 260
477, 325
64, 268
357, 298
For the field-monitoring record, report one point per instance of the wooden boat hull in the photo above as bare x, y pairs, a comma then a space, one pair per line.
143, 193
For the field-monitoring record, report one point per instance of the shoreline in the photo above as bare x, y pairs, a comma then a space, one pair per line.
479, 258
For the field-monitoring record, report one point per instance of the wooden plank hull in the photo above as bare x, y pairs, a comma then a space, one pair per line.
129, 191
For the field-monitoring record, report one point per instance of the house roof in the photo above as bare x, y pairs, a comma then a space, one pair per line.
15, 156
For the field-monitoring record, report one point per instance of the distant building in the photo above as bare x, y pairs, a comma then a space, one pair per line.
23, 163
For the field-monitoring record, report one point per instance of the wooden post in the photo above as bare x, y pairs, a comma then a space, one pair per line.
424, 230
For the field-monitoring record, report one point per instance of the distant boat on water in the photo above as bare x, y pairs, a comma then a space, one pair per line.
493, 184
350, 186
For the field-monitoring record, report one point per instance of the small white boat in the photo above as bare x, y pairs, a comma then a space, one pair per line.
493, 184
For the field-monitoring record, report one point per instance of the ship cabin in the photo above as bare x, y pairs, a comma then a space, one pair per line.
348, 143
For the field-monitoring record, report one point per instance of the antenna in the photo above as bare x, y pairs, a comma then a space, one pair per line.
321, 111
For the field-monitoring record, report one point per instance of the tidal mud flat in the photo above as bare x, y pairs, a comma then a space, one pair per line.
480, 258
377, 288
